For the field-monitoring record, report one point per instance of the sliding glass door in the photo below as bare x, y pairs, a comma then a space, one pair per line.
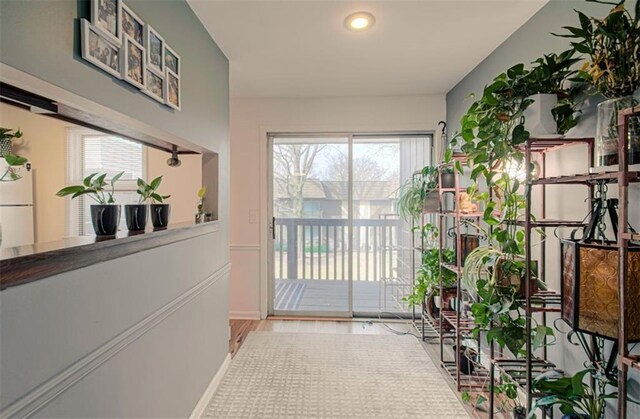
337, 245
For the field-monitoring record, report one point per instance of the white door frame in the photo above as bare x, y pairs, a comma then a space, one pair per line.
264, 168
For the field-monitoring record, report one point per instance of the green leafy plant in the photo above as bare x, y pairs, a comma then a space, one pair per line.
428, 275
612, 49
94, 186
414, 192
572, 395
14, 162
9, 134
147, 191
201, 193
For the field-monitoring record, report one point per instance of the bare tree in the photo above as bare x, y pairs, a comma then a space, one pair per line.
364, 168
293, 164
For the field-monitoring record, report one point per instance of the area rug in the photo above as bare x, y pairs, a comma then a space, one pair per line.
299, 375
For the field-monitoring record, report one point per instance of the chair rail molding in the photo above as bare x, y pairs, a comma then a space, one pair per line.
49, 390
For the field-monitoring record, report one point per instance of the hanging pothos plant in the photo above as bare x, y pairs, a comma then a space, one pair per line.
414, 192
492, 136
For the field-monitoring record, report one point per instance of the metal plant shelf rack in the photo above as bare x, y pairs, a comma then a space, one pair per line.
624, 177
459, 324
523, 371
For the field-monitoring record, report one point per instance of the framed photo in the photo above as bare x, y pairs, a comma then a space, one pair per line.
155, 85
155, 47
134, 63
132, 25
98, 50
172, 95
171, 60
105, 14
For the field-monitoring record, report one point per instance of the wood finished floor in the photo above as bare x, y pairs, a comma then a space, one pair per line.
241, 328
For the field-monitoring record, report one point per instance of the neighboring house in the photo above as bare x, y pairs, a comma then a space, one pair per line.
330, 199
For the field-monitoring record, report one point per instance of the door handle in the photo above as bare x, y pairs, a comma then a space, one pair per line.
273, 227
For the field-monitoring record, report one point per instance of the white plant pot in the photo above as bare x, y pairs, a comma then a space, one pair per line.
539, 120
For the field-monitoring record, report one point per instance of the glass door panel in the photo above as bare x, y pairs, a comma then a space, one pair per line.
383, 253
310, 199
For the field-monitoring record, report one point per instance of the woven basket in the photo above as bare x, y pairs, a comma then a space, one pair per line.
590, 289
5, 147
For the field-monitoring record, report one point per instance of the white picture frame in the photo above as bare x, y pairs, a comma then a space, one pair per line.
152, 79
106, 15
170, 57
154, 43
134, 56
99, 50
172, 86
132, 25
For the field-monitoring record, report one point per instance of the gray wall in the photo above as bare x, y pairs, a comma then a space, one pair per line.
529, 42
50, 325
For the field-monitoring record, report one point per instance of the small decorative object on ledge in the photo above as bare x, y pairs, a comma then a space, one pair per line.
200, 215
120, 43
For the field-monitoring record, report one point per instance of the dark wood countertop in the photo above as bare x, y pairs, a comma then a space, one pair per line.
23, 264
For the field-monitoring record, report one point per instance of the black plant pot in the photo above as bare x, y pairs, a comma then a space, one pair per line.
447, 180
160, 215
466, 365
105, 219
136, 216
519, 413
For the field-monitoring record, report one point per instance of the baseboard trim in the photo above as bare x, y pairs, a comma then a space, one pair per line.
244, 315
244, 247
45, 393
201, 408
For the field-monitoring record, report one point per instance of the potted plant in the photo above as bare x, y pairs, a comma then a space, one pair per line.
575, 398
612, 67
419, 195
105, 215
12, 167
447, 178
160, 211
7, 136
136, 214
200, 214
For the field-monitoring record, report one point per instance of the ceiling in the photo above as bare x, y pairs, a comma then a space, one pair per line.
302, 49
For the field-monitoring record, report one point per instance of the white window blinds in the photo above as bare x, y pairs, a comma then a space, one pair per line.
91, 152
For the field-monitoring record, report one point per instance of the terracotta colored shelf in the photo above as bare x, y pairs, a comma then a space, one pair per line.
466, 323
479, 378
585, 179
461, 214
552, 223
541, 145
516, 369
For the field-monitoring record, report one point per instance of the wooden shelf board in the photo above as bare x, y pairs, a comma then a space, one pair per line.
552, 223
461, 214
452, 268
541, 145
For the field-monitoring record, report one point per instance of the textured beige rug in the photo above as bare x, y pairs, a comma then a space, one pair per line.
296, 375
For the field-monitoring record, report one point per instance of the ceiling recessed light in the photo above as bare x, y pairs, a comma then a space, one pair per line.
359, 21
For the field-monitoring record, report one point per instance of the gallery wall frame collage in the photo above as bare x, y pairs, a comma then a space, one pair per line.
117, 41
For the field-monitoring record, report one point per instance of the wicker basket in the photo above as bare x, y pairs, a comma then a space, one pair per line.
590, 289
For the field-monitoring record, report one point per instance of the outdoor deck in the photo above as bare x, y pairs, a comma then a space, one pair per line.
317, 295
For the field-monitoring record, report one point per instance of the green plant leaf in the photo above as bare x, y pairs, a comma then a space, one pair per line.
115, 178
87, 180
70, 190
15, 160
155, 183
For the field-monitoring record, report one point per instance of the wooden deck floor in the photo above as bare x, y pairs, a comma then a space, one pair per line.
326, 295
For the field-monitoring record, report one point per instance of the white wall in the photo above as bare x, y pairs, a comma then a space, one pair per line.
251, 120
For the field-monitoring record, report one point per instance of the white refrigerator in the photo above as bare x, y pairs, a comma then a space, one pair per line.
16, 210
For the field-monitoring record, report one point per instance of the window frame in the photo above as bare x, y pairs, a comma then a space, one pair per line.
75, 159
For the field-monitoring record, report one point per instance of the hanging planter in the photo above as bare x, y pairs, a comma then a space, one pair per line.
589, 290
539, 120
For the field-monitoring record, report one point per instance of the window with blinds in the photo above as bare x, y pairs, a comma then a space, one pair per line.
89, 152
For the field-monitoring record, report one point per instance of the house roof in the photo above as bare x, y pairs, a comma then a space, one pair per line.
339, 190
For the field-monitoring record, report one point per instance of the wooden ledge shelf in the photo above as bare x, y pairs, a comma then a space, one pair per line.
24, 264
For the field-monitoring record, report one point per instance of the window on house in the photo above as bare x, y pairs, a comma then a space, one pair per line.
89, 152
